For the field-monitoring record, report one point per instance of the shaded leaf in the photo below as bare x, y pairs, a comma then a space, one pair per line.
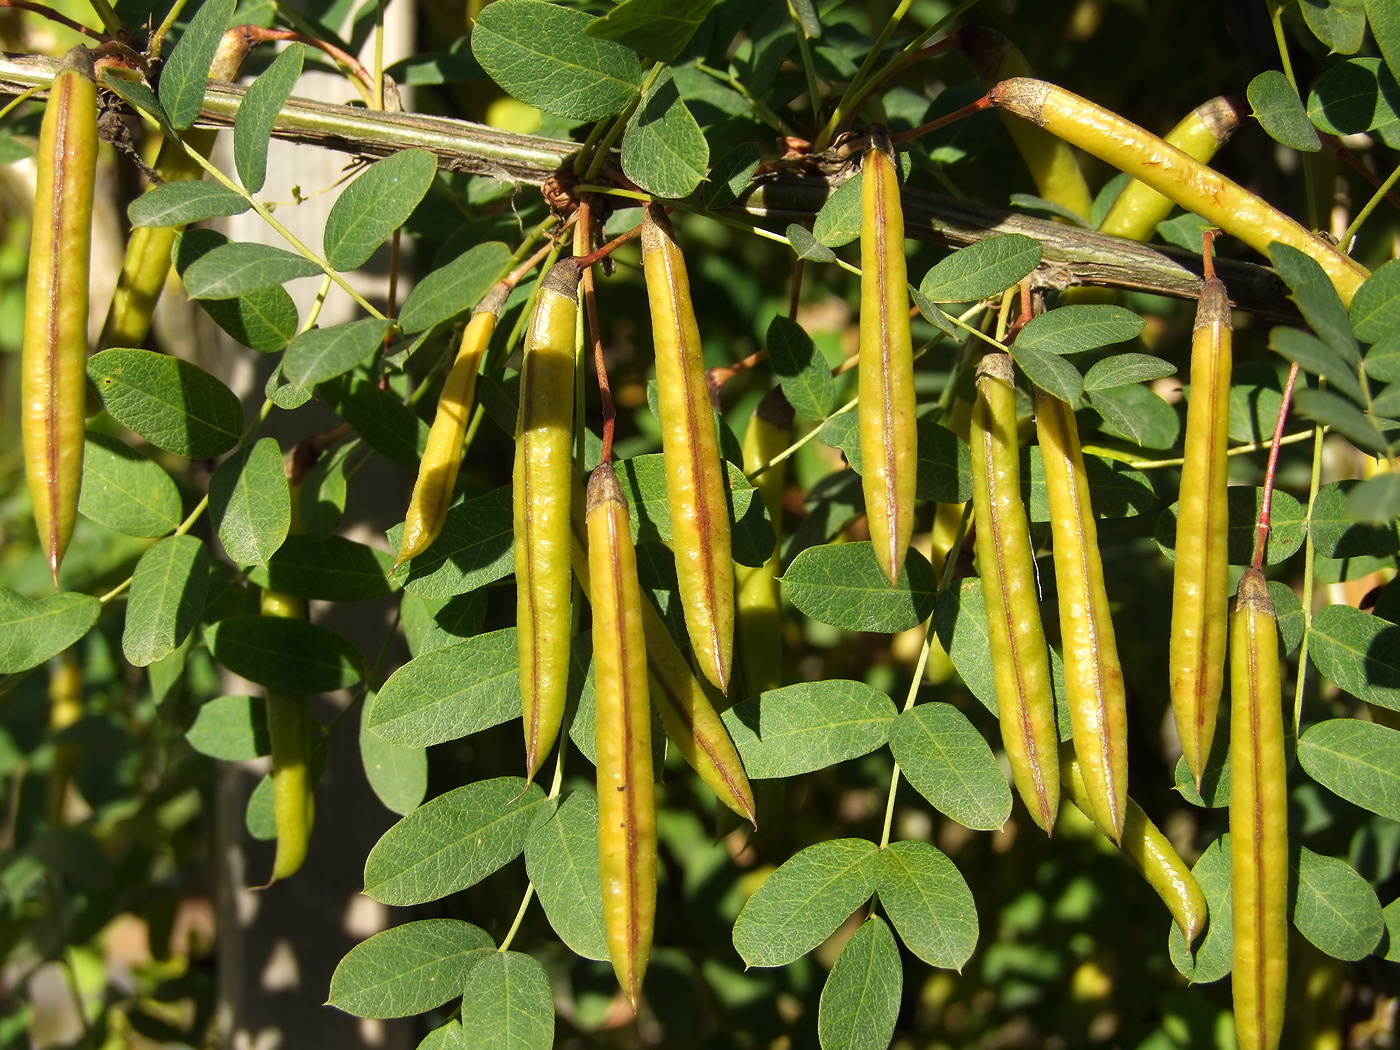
1280, 111
125, 491
408, 969
252, 126
250, 503
561, 859
294, 655
184, 200
985, 268
808, 726
185, 76
947, 761
173, 404
1360, 761
860, 1000
166, 597
32, 632
664, 151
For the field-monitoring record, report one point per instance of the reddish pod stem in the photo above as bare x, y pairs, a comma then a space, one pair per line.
52, 16
1207, 259
1261, 531
985, 102
612, 245
590, 306
716, 377
259, 35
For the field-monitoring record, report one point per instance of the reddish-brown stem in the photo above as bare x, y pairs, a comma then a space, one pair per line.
1353, 161
590, 306
1261, 531
259, 35
904, 63
1207, 258
716, 377
1026, 313
53, 16
985, 102
795, 294
602, 253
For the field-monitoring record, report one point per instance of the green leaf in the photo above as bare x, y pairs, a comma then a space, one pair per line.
333, 569
1214, 953
657, 29
232, 728
1358, 653
1184, 231
1375, 501
453, 841
138, 96
265, 321
801, 903
458, 286
1242, 506
375, 205
541, 54
1317, 299
860, 1000
125, 491
663, 150
446, 1037
929, 903
475, 547
960, 621
1052, 374
250, 503
1336, 908
167, 595
408, 969
1360, 761
398, 775
241, 267
432, 625
450, 693
1138, 414
946, 760
1340, 24
294, 655
803, 372
731, 175
1118, 491
808, 726
643, 480
1122, 369
1313, 355
807, 246
933, 314
561, 859
842, 584
1375, 309
184, 200
32, 632
1391, 914
838, 222
185, 75
173, 404
1279, 109
325, 353
391, 427
1385, 27
944, 460
1288, 610
508, 1004
1073, 329
1335, 531
1342, 416
985, 268
1348, 99
252, 127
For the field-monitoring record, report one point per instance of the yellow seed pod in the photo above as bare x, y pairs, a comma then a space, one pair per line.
696, 482
885, 411
626, 794
1258, 819
1019, 655
1200, 578
543, 487
53, 380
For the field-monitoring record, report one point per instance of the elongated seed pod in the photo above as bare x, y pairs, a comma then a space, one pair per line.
759, 603
1200, 578
1166, 169
442, 459
1052, 164
888, 441
55, 348
695, 475
626, 794
1146, 848
1139, 208
1020, 658
1098, 710
289, 734
147, 262
543, 488
1258, 819
691, 722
